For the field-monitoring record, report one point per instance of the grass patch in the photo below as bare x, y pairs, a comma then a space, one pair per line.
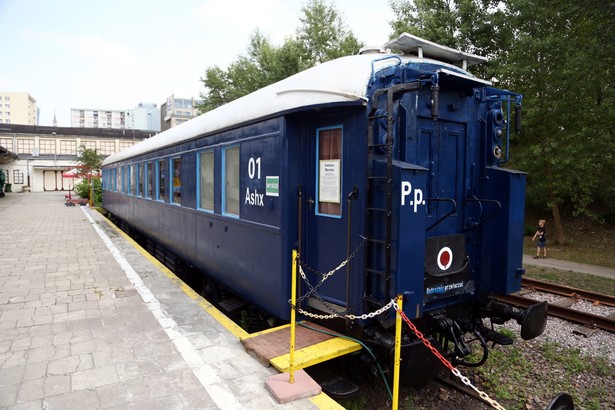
574, 279
515, 375
593, 245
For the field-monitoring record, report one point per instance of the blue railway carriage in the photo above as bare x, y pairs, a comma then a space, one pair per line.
387, 162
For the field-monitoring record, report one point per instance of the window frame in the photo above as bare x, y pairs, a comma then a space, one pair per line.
199, 203
150, 174
172, 180
224, 182
139, 180
161, 179
318, 202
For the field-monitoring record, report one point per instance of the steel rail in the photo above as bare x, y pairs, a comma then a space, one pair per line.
584, 318
569, 291
461, 389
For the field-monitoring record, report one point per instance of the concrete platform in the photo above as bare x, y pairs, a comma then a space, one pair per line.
88, 321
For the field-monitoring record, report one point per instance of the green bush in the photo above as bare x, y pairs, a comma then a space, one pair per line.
83, 190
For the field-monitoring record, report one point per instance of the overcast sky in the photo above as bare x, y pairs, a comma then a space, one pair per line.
113, 54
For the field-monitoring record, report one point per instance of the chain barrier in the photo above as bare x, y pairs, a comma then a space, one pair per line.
327, 275
445, 362
313, 291
345, 315
392, 303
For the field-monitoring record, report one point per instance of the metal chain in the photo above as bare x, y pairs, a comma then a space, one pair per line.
340, 266
347, 316
446, 363
313, 289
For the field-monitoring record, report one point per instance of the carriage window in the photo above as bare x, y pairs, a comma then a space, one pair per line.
161, 171
206, 181
133, 176
176, 168
230, 196
140, 180
126, 179
149, 175
329, 146
118, 180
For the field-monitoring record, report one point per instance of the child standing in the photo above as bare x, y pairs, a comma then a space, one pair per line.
541, 234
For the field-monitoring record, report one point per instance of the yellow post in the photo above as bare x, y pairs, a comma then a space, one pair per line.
397, 361
293, 300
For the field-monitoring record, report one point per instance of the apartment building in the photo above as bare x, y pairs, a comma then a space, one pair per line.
18, 108
178, 110
145, 116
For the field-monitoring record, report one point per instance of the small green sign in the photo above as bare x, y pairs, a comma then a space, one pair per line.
273, 186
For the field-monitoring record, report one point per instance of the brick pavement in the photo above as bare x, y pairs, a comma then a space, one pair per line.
75, 332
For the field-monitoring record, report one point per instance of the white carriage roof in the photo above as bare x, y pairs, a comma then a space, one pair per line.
341, 80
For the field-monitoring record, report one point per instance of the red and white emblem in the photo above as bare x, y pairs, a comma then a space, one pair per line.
445, 258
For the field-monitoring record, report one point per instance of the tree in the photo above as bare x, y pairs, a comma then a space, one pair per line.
559, 64
88, 160
90, 163
474, 26
322, 36
555, 57
264, 64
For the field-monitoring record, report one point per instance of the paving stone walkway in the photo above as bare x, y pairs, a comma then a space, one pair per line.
76, 333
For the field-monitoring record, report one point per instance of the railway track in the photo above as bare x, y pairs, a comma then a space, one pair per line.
589, 320
562, 290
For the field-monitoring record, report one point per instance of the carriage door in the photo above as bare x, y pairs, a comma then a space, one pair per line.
325, 221
446, 142
446, 265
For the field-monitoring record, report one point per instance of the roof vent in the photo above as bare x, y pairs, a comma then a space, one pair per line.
410, 44
373, 50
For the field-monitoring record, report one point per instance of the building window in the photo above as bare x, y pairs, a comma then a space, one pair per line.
25, 146
149, 175
161, 170
7, 143
206, 181
89, 144
176, 168
125, 144
68, 147
107, 147
17, 176
230, 196
47, 146
329, 169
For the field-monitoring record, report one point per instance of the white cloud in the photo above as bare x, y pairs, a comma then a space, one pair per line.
240, 13
100, 48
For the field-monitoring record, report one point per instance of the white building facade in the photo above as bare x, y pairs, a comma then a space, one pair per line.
18, 108
34, 158
146, 117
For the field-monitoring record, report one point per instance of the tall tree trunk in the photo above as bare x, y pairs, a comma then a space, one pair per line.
559, 227
553, 204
